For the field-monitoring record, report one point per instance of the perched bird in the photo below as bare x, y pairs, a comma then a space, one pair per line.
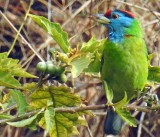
124, 64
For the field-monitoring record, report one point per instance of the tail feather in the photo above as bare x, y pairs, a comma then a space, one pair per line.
113, 123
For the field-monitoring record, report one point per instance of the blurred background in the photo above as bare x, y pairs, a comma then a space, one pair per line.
73, 17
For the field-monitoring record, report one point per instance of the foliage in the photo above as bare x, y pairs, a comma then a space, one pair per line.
154, 74
38, 103
126, 116
54, 30
20, 100
154, 71
10, 68
47, 98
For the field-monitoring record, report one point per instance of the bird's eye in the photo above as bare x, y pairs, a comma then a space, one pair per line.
115, 16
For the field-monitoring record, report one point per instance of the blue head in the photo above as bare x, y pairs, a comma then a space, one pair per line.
120, 24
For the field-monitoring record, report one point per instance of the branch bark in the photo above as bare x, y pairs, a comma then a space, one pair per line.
78, 109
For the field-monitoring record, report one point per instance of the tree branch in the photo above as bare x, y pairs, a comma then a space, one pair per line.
78, 109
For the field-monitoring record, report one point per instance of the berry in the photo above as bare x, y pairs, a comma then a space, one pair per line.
51, 69
41, 66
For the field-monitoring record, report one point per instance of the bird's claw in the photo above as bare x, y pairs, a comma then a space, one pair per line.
151, 99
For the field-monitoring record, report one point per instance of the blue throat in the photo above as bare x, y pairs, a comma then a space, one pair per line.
115, 36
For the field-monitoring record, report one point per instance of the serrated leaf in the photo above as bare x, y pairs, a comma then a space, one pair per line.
81, 121
11, 66
20, 100
54, 29
75, 131
27, 87
94, 66
126, 116
62, 96
8, 80
80, 63
95, 47
58, 124
20, 72
154, 74
3, 55
108, 91
24, 122
122, 102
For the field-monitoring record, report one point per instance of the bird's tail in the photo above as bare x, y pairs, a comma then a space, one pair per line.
113, 123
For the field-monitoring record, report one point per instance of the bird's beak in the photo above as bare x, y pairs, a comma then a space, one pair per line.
100, 18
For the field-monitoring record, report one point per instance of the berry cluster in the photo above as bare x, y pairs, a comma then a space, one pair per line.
56, 72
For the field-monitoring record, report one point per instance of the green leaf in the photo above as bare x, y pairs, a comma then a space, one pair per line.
3, 55
20, 72
154, 74
150, 57
20, 100
81, 121
94, 47
49, 115
28, 87
94, 66
5, 116
126, 116
32, 126
55, 30
10, 68
58, 124
80, 63
62, 96
108, 91
62, 127
24, 122
63, 57
7, 80
122, 102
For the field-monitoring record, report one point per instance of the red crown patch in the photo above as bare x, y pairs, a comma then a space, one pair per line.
108, 13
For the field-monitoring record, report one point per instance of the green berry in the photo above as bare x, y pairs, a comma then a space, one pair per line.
51, 69
41, 66
59, 70
63, 78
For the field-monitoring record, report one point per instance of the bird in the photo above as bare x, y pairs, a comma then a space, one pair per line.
124, 63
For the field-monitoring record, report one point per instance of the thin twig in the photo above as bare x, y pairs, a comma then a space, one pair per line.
78, 11
141, 123
88, 129
20, 28
136, 6
23, 39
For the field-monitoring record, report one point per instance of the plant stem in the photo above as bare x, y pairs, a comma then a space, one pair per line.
78, 109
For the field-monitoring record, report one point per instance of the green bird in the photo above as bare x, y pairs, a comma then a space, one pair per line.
124, 64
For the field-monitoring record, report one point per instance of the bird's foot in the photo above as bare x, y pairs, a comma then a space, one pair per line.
110, 106
151, 99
